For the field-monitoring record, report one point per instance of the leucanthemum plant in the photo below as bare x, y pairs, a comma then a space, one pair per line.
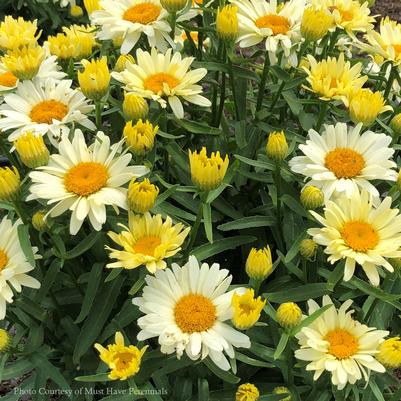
214, 192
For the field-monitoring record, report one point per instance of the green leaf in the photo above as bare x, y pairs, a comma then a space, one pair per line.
247, 222
197, 128
99, 314
90, 293
207, 221
297, 294
23, 236
114, 272
256, 163
100, 377
281, 345
83, 246
376, 391
207, 250
222, 374
17, 368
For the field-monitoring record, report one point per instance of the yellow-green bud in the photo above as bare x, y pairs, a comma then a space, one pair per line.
172, 6
38, 221
307, 249
135, 107
283, 390
312, 197
277, 146
288, 315
76, 11
5, 341
259, 263
395, 124
9, 183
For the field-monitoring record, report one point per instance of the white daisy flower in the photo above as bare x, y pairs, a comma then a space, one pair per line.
342, 160
85, 179
337, 343
186, 308
127, 20
158, 76
355, 230
13, 264
279, 26
45, 107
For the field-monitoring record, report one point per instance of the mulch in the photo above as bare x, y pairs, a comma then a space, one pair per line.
391, 8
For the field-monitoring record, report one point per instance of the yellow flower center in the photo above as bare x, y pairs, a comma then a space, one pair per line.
397, 49
342, 343
276, 23
143, 13
156, 82
47, 111
346, 15
360, 236
123, 360
86, 178
8, 79
344, 162
3, 260
194, 313
147, 245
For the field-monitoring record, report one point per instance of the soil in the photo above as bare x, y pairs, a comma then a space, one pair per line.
390, 8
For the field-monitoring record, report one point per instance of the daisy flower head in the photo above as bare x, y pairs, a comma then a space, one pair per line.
343, 160
187, 308
278, 26
16, 33
13, 264
350, 15
84, 179
45, 107
148, 240
334, 78
123, 360
385, 44
129, 19
159, 76
359, 232
337, 343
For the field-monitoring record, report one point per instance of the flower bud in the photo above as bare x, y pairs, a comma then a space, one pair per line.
32, 150
140, 137
5, 341
141, 195
259, 263
312, 197
247, 392
283, 390
122, 60
38, 221
288, 315
227, 23
172, 6
395, 124
76, 11
135, 107
246, 309
9, 183
277, 146
315, 23
308, 249
390, 353
94, 80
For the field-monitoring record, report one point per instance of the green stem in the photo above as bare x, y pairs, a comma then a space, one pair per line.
333, 41
232, 83
263, 81
222, 99
98, 109
194, 230
323, 110
390, 82
280, 89
173, 23
277, 182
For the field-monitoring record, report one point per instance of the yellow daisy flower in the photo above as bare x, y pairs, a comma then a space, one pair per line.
247, 309
123, 361
146, 241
